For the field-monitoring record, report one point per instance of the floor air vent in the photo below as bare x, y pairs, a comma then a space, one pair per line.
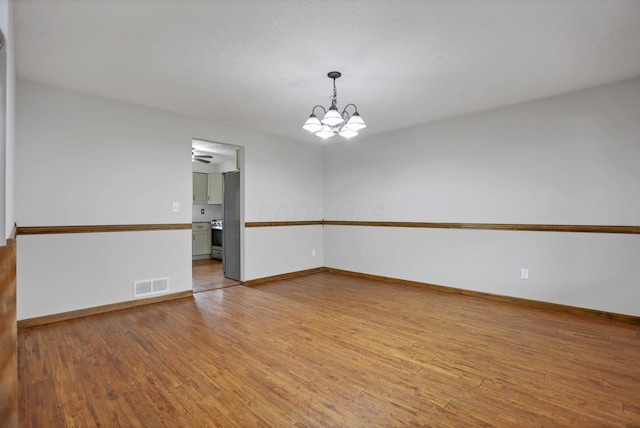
149, 287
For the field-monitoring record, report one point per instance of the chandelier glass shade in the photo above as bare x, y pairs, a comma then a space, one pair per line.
333, 121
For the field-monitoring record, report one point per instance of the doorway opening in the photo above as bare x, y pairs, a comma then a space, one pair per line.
217, 215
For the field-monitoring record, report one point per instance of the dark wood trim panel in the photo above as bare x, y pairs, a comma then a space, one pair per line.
545, 306
288, 275
283, 223
48, 319
49, 230
8, 337
633, 230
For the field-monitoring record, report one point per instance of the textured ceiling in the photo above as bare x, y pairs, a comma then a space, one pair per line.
262, 65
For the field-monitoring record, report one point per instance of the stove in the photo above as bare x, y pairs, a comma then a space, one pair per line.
216, 239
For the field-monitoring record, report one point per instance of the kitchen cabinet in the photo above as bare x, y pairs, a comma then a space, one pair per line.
200, 184
214, 189
201, 239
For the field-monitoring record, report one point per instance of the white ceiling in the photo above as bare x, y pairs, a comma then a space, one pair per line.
262, 65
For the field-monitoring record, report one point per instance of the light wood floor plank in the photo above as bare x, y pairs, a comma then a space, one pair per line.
330, 350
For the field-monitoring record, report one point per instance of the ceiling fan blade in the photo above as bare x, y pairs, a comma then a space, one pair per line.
201, 160
196, 152
203, 156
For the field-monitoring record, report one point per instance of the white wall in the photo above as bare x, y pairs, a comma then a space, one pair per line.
571, 159
288, 246
65, 272
292, 174
85, 160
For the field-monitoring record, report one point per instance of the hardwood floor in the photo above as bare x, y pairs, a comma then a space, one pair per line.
330, 350
207, 275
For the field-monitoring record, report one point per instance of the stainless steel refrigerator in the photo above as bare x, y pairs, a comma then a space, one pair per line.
231, 224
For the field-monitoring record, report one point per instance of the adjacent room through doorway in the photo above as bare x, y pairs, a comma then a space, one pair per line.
214, 263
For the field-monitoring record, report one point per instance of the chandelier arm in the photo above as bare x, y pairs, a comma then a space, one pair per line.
354, 107
314, 109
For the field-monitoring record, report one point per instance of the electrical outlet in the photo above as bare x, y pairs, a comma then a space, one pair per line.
313, 252
176, 207
202, 211
524, 273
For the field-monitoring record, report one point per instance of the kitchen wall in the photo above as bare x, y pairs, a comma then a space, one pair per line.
571, 159
86, 160
210, 212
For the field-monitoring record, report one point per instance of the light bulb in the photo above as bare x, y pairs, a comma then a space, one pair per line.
347, 132
332, 117
355, 122
325, 132
312, 124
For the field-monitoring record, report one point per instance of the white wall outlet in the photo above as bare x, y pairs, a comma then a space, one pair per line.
176, 207
524, 273
313, 252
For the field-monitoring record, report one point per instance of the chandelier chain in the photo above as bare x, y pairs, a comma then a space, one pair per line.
334, 98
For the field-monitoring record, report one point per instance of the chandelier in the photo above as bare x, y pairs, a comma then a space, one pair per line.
344, 124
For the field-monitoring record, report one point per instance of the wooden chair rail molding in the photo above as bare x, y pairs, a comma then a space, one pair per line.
49, 230
494, 226
283, 223
629, 230
579, 228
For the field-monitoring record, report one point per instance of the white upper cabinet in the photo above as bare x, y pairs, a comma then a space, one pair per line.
200, 188
215, 189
